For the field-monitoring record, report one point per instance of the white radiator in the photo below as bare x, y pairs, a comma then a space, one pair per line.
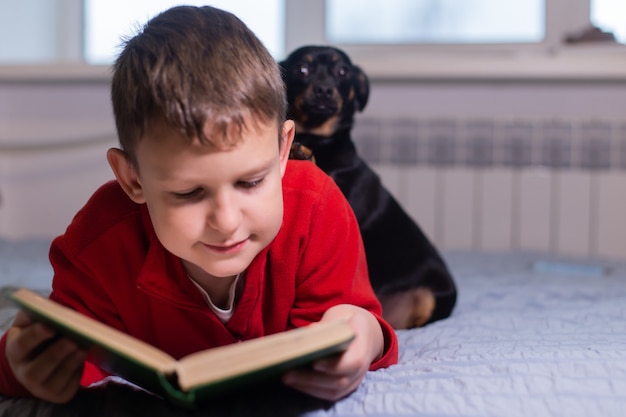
499, 185
44, 182
489, 185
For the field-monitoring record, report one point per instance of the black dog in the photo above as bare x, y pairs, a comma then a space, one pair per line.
324, 91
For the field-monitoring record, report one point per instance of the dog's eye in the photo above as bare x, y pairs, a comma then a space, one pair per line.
342, 72
303, 71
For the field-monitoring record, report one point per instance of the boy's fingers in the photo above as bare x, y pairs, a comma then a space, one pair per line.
23, 341
55, 374
22, 319
344, 364
52, 357
319, 385
65, 378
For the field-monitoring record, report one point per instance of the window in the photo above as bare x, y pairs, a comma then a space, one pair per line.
39, 31
610, 16
435, 21
106, 21
472, 39
377, 32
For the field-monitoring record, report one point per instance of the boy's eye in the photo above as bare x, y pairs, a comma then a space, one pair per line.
188, 195
250, 184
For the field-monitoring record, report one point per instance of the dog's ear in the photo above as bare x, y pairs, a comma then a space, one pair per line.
361, 87
282, 65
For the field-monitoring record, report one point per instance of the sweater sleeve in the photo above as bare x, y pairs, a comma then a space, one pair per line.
333, 268
390, 350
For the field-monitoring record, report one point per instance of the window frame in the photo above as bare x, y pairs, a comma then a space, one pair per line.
549, 60
304, 24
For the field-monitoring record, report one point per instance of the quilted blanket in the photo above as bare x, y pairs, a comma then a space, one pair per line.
532, 335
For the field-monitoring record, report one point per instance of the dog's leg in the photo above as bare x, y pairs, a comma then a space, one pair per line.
301, 152
408, 309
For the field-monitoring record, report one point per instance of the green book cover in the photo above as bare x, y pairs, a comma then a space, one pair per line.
197, 377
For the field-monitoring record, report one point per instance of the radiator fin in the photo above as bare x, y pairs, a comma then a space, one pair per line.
548, 185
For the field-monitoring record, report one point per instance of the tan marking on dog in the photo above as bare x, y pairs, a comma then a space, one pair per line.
351, 94
299, 115
301, 152
408, 309
325, 129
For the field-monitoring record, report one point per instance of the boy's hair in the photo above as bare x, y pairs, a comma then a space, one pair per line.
195, 68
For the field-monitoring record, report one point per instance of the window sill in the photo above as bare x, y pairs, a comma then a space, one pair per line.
55, 73
585, 64
582, 64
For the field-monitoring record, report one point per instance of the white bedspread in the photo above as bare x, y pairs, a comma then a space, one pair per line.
527, 339
531, 336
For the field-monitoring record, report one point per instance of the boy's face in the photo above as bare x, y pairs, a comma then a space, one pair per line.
215, 209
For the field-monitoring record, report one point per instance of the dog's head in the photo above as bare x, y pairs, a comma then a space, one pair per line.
324, 89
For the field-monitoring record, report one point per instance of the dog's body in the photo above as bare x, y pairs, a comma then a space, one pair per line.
324, 91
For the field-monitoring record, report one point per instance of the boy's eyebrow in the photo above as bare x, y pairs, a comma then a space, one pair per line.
261, 166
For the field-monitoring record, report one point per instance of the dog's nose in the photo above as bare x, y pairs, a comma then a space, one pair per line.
322, 91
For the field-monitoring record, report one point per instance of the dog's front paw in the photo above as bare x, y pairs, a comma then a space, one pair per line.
408, 309
301, 152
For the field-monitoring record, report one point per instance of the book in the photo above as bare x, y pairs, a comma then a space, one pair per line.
199, 376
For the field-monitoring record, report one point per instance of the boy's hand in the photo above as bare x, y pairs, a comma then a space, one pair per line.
49, 367
334, 378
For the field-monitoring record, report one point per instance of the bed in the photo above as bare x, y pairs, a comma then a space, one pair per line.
532, 335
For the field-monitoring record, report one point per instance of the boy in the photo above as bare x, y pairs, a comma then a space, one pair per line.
209, 235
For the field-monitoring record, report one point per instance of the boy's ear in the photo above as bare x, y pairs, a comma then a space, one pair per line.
288, 132
126, 175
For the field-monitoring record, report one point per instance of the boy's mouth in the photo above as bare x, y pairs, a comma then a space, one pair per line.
227, 248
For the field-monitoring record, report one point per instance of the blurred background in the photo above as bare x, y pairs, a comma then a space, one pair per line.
498, 124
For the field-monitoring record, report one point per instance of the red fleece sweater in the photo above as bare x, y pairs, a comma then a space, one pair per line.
109, 265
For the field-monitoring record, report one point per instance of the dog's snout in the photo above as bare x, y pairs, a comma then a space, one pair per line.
323, 91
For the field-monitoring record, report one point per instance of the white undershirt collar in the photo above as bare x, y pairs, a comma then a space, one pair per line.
222, 314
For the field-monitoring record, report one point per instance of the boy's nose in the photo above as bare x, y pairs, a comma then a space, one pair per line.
225, 215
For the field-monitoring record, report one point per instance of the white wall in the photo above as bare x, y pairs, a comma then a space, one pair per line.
46, 173
432, 98
53, 139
